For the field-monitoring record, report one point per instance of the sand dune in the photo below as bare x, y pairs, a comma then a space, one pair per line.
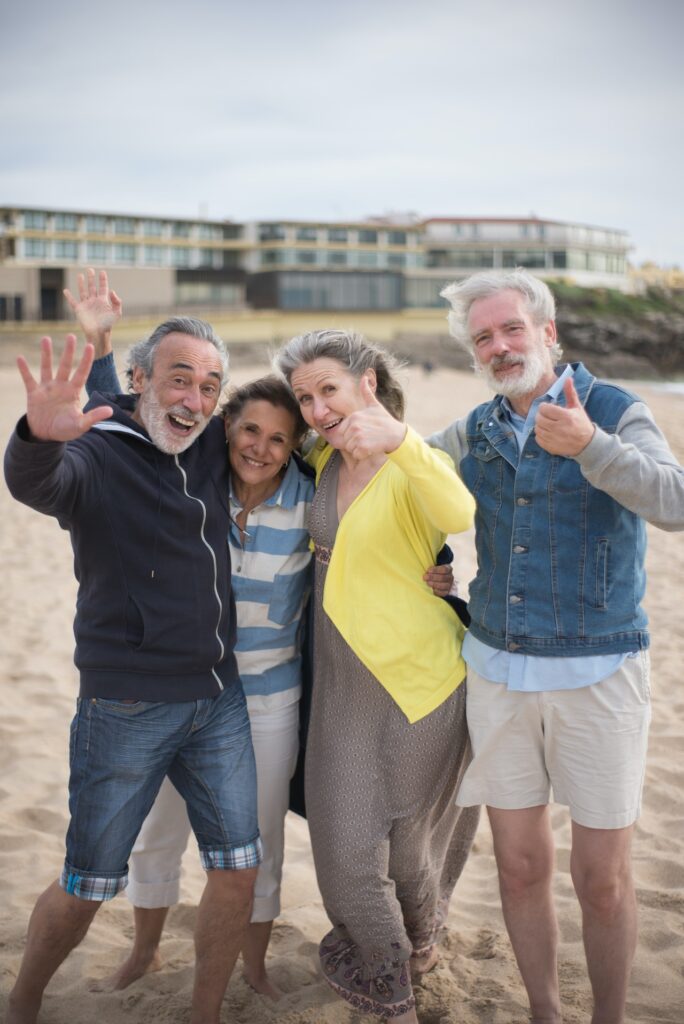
477, 980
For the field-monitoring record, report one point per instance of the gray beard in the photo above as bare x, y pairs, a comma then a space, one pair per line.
534, 368
153, 416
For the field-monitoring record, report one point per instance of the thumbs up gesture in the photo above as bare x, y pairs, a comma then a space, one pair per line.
370, 430
564, 430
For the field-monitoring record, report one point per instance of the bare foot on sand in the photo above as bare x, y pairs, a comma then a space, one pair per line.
420, 965
262, 984
135, 967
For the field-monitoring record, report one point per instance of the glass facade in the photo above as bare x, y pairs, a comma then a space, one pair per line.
318, 290
96, 251
66, 250
307, 234
367, 237
124, 253
469, 258
35, 247
66, 222
96, 225
35, 221
124, 226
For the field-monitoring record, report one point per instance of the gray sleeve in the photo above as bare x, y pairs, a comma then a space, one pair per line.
636, 467
452, 441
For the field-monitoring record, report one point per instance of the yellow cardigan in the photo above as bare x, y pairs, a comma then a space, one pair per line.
374, 591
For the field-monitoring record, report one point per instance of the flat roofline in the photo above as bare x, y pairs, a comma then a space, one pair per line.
115, 213
520, 220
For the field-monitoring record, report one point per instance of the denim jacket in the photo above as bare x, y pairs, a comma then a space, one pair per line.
560, 561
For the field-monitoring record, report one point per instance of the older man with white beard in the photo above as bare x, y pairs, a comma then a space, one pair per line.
565, 469
141, 484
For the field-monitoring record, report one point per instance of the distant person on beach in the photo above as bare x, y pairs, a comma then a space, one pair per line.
387, 743
565, 469
142, 486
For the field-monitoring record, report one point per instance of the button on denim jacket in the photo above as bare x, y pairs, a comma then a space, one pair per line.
560, 563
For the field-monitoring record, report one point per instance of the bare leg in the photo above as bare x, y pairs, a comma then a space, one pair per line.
254, 946
601, 870
523, 846
58, 923
222, 919
144, 958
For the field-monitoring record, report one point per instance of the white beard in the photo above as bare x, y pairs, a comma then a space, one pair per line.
153, 416
534, 364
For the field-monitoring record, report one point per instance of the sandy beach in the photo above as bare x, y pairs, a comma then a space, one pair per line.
476, 981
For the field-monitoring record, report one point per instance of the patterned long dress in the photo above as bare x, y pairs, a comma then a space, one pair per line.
389, 842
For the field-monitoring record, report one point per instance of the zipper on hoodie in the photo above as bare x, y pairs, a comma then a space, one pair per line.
213, 559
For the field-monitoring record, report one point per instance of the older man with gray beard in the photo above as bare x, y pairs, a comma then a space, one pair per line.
565, 470
141, 485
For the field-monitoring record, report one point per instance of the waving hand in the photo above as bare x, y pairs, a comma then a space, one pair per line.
53, 404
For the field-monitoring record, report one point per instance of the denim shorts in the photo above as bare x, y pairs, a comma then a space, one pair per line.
119, 755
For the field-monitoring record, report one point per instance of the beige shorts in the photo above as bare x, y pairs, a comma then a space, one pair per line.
587, 745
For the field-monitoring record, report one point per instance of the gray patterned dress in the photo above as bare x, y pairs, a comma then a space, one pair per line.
389, 842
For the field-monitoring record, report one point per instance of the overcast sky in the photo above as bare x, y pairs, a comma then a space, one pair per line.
337, 110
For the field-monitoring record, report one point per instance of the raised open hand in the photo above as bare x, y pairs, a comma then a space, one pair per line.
97, 309
371, 430
53, 404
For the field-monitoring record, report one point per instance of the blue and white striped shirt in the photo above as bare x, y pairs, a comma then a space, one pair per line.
271, 578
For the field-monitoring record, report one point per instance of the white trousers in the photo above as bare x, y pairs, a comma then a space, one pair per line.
155, 862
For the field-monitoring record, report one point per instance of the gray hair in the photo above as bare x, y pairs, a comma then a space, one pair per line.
461, 295
354, 353
143, 352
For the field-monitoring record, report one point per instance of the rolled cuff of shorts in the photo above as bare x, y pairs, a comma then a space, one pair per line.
232, 858
89, 886
152, 895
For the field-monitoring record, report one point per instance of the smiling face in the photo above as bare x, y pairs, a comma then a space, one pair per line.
327, 393
260, 441
177, 401
511, 350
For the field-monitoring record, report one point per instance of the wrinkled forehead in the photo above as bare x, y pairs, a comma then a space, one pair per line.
187, 353
501, 307
317, 372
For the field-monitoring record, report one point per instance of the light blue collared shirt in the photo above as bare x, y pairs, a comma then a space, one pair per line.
527, 672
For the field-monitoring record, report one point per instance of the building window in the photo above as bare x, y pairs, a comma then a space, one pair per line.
337, 234
96, 225
396, 237
210, 231
35, 247
180, 257
124, 226
367, 237
271, 233
66, 250
124, 253
396, 259
66, 222
307, 234
153, 228
208, 258
559, 259
180, 230
338, 259
367, 259
306, 256
96, 252
460, 258
154, 255
35, 221
523, 258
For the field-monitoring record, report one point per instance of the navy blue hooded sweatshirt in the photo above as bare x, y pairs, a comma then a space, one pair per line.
155, 617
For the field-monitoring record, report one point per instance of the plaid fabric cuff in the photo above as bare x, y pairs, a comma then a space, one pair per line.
91, 887
234, 859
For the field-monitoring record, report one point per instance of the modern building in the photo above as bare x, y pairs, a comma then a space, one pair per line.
381, 263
